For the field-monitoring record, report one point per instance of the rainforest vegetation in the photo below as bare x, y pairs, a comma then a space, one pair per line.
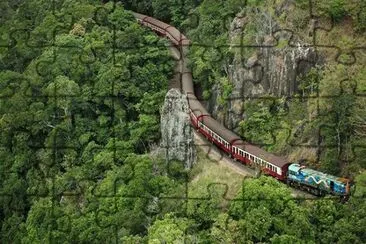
81, 87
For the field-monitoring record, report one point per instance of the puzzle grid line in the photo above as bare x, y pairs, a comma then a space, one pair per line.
55, 96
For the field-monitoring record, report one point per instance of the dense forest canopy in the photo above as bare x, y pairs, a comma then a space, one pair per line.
81, 85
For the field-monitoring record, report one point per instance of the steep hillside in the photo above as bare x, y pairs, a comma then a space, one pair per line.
287, 75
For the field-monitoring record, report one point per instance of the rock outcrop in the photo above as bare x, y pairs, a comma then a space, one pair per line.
176, 130
269, 64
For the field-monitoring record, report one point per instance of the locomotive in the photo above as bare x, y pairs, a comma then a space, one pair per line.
293, 174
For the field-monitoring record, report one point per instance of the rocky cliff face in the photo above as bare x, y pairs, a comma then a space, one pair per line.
176, 130
272, 68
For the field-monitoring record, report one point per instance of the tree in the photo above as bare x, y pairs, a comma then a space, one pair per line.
170, 230
264, 208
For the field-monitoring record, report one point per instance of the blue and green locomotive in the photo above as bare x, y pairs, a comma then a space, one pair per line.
317, 182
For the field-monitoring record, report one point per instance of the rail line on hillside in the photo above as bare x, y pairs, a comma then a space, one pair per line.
270, 164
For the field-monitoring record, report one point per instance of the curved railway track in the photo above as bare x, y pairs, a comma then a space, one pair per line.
227, 141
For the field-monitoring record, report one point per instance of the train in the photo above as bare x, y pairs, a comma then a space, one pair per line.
293, 174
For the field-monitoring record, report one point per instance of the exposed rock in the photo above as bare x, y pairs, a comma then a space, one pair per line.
271, 69
176, 130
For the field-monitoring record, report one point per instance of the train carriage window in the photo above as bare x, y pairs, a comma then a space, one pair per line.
331, 185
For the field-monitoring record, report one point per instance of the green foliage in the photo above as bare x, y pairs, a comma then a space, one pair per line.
261, 212
210, 64
61, 96
263, 121
171, 11
104, 187
170, 230
335, 9
310, 82
227, 88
